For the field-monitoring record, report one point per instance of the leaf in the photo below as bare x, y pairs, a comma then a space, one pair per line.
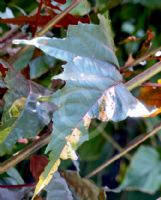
42, 20
37, 165
83, 45
144, 172
83, 8
23, 60
58, 189
82, 188
23, 116
61, 1
151, 96
40, 65
2, 6
70, 186
93, 89
7, 194
46, 176
13, 173
148, 3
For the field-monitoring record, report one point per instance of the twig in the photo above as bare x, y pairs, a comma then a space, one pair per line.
126, 150
26, 152
47, 27
115, 144
101, 129
144, 76
140, 59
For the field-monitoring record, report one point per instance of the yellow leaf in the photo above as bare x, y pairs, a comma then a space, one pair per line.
46, 176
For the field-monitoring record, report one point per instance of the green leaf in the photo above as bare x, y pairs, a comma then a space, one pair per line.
2, 6
96, 144
23, 116
40, 65
93, 89
144, 172
153, 5
12, 172
82, 40
24, 59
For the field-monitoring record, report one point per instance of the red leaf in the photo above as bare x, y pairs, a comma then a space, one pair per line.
43, 20
37, 165
3, 70
61, 1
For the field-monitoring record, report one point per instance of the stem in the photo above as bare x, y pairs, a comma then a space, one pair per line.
26, 152
142, 58
144, 76
126, 150
115, 144
46, 28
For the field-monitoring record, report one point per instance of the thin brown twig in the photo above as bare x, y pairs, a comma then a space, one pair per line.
140, 59
25, 153
126, 150
115, 144
144, 76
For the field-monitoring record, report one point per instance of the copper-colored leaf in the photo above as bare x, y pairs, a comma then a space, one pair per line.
151, 96
148, 41
37, 165
61, 1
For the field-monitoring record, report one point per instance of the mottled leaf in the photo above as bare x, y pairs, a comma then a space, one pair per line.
93, 89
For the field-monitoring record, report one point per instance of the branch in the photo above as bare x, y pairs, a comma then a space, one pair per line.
144, 76
126, 150
25, 153
115, 144
140, 59
47, 27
